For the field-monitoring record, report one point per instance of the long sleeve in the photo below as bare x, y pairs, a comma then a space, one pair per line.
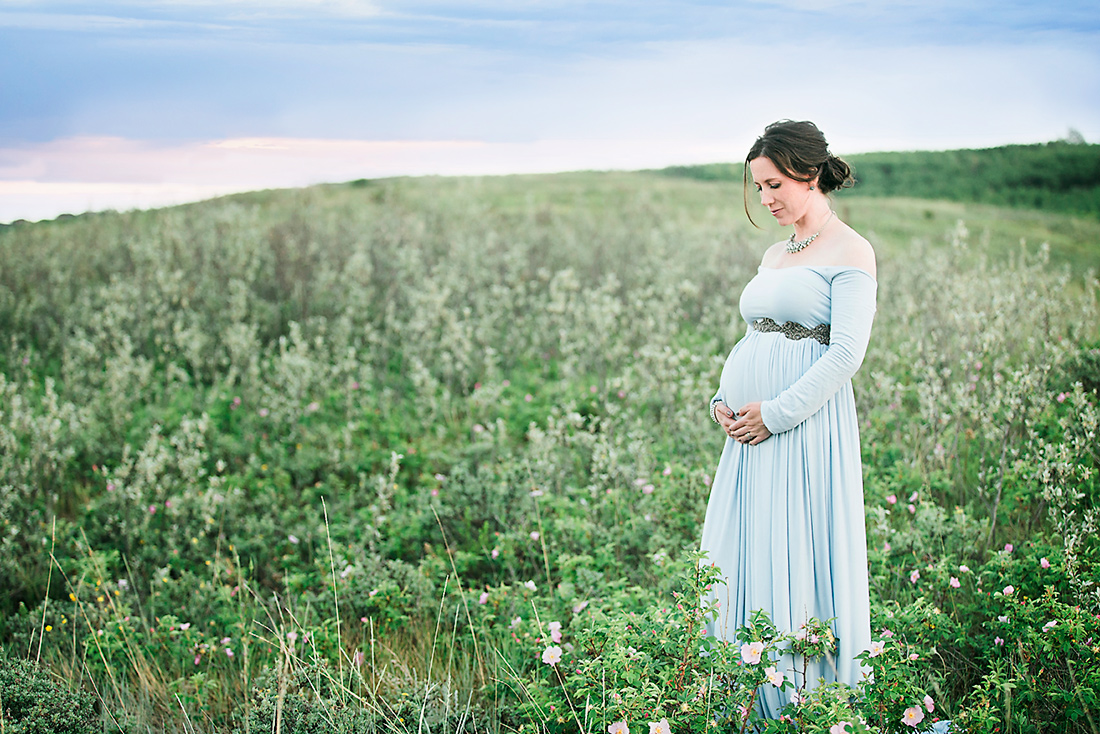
853, 310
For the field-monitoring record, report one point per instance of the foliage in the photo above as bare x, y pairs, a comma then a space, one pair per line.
34, 702
389, 419
1060, 176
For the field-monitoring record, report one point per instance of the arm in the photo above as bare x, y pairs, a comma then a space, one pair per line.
853, 310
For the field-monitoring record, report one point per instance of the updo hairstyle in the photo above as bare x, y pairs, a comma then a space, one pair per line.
799, 151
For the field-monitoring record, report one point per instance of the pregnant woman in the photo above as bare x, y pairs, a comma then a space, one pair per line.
785, 522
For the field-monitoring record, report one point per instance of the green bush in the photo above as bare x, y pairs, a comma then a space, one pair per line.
32, 701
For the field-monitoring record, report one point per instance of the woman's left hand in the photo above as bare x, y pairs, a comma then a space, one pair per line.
749, 427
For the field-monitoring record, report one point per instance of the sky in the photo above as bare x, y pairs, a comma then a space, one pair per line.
141, 103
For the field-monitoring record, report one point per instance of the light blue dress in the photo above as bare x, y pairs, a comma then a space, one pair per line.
785, 522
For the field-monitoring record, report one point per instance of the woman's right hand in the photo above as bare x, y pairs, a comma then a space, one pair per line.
726, 417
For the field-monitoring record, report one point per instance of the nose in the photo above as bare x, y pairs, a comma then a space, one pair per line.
765, 197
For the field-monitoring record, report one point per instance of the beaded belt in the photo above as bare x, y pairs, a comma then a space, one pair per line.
793, 330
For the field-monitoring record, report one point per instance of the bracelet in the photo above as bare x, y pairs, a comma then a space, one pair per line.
713, 410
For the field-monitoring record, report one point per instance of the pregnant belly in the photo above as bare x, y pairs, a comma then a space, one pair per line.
762, 365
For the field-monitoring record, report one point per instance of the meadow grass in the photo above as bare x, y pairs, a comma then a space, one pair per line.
333, 459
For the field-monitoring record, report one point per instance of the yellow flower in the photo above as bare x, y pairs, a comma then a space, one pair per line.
72, 597
49, 628
99, 598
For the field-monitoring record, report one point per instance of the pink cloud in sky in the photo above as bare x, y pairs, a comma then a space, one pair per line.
39, 181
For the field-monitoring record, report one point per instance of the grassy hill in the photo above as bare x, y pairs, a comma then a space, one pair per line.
338, 457
1059, 176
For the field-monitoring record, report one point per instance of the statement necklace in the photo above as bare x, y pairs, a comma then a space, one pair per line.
794, 245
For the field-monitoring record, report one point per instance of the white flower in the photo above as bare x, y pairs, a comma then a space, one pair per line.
929, 704
774, 676
659, 727
530, 586
619, 727
876, 648
551, 655
912, 716
751, 652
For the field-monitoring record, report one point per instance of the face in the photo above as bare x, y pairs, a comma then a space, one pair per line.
787, 199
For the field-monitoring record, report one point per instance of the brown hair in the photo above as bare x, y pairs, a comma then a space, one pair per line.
799, 151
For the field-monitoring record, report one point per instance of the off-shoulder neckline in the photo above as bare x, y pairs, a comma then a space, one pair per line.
823, 267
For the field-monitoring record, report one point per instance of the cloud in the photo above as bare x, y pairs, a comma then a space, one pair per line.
80, 174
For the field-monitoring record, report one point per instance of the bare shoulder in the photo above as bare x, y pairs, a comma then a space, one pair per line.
773, 255
852, 249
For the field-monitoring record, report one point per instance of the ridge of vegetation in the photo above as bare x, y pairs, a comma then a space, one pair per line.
1059, 176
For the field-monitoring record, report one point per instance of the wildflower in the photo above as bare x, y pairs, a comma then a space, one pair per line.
197, 659
667, 471
659, 727
892, 499
912, 509
912, 716
998, 641
913, 577
886, 546
110, 487
536, 492
530, 586
185, 626
228, 652
1049, 624
484, 598
346, 572
619, 727
929, 704
1009, 589
647, 489
478, 428
439, 477
515, 622
495, 553
954, 583
578, 608
264, 412
1008, 547
292, 636
964, 568
876, 648
535, 536
152, 509
1003, 619
913, 497
358, 658
774, 676
796, 698
914, 656
622, 394
313, 407
1044, 563
551, 655
555, 631
372, 592
293, 539
751, 652
1061, 397
528, 397
706, 479
840, 727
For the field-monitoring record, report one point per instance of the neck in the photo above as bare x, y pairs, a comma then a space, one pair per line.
813, 221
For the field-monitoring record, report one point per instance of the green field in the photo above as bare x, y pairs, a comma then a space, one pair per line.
333, 459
